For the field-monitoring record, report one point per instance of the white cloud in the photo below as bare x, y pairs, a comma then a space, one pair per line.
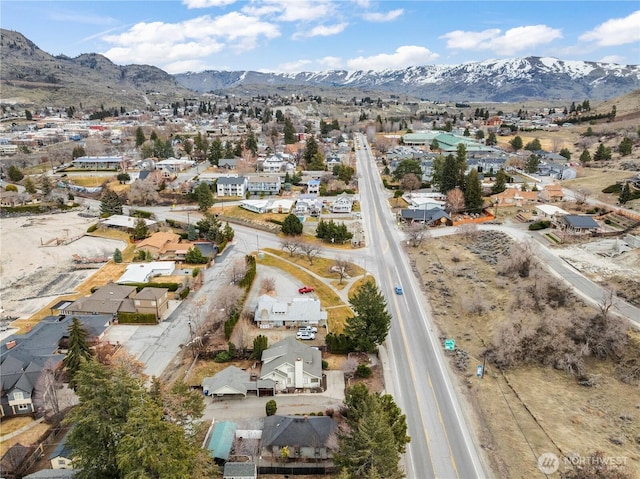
293, 67
512, 41
331, 63
405, 56
617, 31
613, 59
206, 3
164, 44
363, 3
383, 17
293, 10
321, 31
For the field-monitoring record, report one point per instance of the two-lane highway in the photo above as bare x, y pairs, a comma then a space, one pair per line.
441, 443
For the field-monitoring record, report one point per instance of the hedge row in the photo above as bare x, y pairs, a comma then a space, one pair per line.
339, 343
137, 318
245, 283
540, 225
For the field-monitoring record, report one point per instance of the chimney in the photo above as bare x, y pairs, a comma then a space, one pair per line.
298, 376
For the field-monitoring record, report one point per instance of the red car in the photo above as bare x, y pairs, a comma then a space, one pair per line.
305, 289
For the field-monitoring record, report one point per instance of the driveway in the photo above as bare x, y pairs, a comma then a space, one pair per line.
288, 404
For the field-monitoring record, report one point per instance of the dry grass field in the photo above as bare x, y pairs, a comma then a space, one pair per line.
524, 411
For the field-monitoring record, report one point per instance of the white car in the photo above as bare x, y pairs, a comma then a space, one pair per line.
308, 329
305, 335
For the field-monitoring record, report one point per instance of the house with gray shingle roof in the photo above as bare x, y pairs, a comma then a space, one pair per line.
304, 436
292, 364
234, 382
240, 470
272, 312
231, 186
579, 224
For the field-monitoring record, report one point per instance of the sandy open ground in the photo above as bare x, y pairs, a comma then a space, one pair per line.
34, 274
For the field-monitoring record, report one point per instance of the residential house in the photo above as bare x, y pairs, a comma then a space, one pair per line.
273, 164
552, 193
305, 436
292, 364
152, 301
432, 217
313, 187
283, 205
240, 470
98, 162
51, 474
228, 163
113, 299
23, 358
333, 161
62, 456
514, 197
231, 186
579, 224
144, 272
156, 243
236, 382
262, 185
124, 222
271, 312
342, 204
550, 211
310, 206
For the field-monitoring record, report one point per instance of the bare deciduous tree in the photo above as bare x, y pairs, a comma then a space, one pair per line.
410, 182
310, 251
290, 244
143, 193
455, 200
417, 233
228, 299
268, 285
520, 261
581, 195
342, 267
468, 230
46, 398
349, 366
238, 270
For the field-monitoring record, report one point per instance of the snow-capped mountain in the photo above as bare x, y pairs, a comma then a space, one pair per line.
490, 80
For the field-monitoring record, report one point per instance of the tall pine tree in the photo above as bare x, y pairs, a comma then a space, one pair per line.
473, 192
370, 325
79, 350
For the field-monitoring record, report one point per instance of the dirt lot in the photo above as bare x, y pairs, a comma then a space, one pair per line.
524, 411
35, 271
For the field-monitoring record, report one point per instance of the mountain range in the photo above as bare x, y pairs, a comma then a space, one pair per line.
32, 76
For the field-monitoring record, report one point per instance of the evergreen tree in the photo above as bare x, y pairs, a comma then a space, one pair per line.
195, 256
311, 149
292, 226
289, 132
479, 134
370, 325
215, 152
492, 139
15, 174
533, 145
260, 344
110, 204
466, 132
140, 138
461, 163
29, 187
78, 152
204, 196
589, 132
602, 153
500, 183
317, 162
45, 185
405, 167
117, 256
449, 174
140, 229
625, 147
585, 156
79, 350
434, 145
566, 153
192, 234
625, 194
473, 192
251, 144
516, 143
533, 162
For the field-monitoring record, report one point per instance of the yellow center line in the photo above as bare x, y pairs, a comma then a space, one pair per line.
453, 461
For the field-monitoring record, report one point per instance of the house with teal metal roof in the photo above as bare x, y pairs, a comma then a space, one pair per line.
221, 440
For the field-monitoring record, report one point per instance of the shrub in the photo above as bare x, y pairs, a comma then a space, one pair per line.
184, 293
271, 407
136, 318
339, 343
325, 364
539, 225
92, 228
613, 189
363, 371
223, 357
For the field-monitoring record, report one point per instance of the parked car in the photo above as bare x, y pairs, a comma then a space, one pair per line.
305, 335
398, 289
308, 329
305, 290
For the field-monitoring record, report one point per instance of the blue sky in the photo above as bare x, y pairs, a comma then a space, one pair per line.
317, 35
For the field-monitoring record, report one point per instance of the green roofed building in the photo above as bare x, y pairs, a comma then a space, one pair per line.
221, 440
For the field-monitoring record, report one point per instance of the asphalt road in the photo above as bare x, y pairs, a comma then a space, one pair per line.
441, 444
